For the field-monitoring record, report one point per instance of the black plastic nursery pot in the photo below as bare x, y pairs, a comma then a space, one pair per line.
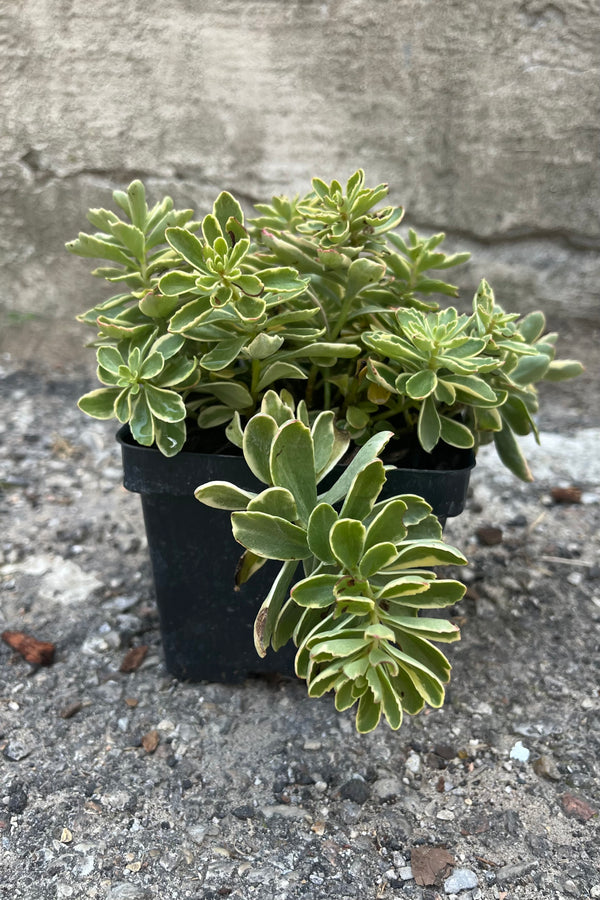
206, 623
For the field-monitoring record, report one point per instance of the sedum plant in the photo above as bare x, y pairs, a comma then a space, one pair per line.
365, 561
319, 295
311, 334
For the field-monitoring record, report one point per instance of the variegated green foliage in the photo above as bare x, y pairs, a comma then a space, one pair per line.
321, 296
465, 379
144, 381
136, 249
338, 237
359, 272
433, 366
525, 356
354, 616
244, 326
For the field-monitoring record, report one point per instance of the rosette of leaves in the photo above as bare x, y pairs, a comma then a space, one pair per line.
366, 562
338, 217
526, 356
323, 233
137, 252
144, 382
253, 325
465, 380
433, 368
220, 272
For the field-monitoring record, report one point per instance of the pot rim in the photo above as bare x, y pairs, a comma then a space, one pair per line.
125, 439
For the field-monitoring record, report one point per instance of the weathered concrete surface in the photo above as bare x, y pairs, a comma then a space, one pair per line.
482, 115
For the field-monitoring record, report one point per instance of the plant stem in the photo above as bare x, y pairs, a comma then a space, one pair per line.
318, 303
310, 385
389, 413
256, 373
344, 311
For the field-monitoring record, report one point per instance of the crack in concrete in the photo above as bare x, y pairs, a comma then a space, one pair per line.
571, 240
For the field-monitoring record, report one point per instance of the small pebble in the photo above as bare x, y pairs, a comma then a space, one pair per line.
577, 808
67, 712
286, 812
489, 535
546, 768
445, 815
17, 750
518, 521
17, 799
413, 763
124, 890
589, 499
445, 751
356, 790
507, 874
197, 833
566, 495
244, 812
387, 788
519, 752
460, 880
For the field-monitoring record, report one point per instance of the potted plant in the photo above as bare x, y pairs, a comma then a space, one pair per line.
318, 302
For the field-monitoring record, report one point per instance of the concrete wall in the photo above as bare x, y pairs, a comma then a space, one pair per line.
483, 115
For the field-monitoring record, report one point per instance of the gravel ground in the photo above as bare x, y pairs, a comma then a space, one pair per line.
132, 786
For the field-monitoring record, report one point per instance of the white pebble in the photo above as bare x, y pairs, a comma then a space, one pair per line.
413, 763
519, 752
445, 815
460, 880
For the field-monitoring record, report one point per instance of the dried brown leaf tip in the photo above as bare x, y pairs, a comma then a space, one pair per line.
430, 864
133, 659
566, 494
38, 653
150, 741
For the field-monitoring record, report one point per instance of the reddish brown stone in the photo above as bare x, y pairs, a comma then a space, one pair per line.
38, 653
150, 741
566, 495
489, 535
133, 659
576, 808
